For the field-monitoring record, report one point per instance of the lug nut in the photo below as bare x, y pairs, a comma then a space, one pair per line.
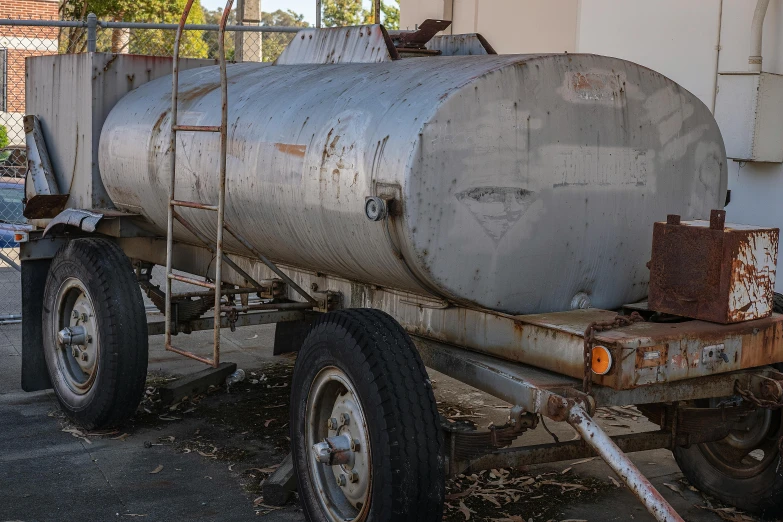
84, 318
341, 481
354, 445
344, 419
332, 424
75, 314
84, 356
75, 352
354, 476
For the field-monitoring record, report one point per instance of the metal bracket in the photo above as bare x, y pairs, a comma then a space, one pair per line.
42, 196
328, 300
75, 217
549, 397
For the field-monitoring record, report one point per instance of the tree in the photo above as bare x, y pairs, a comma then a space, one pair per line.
274, 43
391, 15
211, 37
340, 13
141, 41
154, 41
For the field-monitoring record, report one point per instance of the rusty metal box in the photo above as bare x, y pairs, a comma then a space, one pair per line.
712, 271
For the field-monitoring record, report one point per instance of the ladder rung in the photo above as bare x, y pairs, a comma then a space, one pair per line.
196, 282
192, 355
198, 128
192, 204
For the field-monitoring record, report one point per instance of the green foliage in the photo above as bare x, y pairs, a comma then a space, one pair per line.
211, 37
3, 137
391, 15
274, 43
141, 41
340, 13
168, 11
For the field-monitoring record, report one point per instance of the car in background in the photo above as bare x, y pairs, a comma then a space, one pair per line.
13, 161
12, 221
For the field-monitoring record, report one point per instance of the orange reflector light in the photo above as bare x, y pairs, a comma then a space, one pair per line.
20, 238
602, 360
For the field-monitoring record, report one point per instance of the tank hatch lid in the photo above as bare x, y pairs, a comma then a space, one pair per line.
356, 44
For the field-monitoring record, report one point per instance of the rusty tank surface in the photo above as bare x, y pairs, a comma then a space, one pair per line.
518, 183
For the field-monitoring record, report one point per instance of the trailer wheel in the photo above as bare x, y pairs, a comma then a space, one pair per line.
95, 333
741, 469
364, 424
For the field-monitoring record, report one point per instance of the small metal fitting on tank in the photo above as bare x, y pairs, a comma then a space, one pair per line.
374, 208
581, 301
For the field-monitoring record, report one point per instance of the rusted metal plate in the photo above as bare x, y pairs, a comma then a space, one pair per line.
359, 44
712, 271
693, 349
418, 39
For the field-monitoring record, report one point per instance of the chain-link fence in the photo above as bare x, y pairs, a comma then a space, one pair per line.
20, 39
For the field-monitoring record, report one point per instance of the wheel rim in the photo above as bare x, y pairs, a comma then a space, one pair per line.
77, 346
750, 447
335, 414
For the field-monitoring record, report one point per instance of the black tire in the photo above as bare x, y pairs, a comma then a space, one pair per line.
758, 491
777, 307
114, 385
405, 440
777, 303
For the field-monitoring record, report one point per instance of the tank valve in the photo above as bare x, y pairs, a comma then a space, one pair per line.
581, 301
374, 208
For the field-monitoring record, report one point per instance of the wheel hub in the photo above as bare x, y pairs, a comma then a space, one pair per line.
750, 447
338, 436
77, 345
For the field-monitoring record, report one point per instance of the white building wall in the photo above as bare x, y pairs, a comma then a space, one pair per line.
756, 188
681, 46
414, 12
511, 26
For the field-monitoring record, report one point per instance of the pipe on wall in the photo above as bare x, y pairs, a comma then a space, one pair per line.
756, 30
717, 57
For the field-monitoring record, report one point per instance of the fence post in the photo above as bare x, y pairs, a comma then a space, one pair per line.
92, 30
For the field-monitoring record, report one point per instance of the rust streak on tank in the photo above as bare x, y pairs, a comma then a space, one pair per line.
293, 149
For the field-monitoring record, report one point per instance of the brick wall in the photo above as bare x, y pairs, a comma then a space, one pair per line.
21, 42
29, 9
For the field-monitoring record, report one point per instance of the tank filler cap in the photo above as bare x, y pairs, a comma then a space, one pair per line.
581, 301
374, 208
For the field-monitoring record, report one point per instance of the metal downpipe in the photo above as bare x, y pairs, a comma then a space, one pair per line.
596, 438
756, 32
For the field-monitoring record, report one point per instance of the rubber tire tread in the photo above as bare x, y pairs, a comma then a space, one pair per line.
122, 327
761, 495
377, 354
777, 307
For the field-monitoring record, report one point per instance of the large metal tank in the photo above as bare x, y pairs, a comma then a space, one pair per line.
519, 181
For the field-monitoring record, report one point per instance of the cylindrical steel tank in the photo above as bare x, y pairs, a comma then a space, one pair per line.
518, 181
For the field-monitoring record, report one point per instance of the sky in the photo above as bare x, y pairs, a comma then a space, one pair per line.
305, 7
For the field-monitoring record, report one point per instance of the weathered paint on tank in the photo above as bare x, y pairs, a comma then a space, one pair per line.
519, 181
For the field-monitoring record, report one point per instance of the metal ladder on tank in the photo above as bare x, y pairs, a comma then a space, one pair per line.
215, 289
